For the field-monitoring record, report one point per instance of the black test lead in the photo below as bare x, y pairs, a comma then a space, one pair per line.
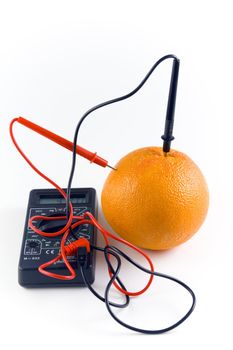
167, 137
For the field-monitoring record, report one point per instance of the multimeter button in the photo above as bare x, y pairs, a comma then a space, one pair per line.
33, 244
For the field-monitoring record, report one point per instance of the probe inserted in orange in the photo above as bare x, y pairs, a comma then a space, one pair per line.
91, 156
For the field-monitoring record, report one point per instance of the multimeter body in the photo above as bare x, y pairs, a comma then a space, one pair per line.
37, 249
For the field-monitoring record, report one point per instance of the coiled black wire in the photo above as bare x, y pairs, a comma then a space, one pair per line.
118, 260
111, 249
116, 252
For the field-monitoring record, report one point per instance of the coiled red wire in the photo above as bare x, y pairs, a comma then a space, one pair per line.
66, 250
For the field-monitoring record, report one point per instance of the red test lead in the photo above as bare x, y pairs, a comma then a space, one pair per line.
91, 156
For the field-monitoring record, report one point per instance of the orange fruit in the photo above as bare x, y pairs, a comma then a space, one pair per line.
155, 200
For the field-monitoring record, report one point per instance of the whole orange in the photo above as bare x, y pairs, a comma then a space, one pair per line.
155, 200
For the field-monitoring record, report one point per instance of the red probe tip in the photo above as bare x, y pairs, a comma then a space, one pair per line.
111, 167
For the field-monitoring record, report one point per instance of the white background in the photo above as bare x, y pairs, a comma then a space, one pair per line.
58, 58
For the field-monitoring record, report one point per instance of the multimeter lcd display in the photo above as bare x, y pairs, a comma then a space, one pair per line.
46, 199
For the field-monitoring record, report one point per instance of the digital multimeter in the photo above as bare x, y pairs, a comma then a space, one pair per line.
37, 249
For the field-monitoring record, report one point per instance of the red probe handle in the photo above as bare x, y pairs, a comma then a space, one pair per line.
92, 157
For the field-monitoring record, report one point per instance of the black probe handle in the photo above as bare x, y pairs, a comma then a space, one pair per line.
168, 137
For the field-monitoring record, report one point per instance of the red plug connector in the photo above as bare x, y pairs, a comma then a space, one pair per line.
70, 249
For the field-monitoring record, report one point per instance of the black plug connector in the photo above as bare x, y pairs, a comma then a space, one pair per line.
82, 257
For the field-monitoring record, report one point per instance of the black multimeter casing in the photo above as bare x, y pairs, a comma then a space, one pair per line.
37, 249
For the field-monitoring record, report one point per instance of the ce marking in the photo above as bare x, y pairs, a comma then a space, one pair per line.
50, 251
